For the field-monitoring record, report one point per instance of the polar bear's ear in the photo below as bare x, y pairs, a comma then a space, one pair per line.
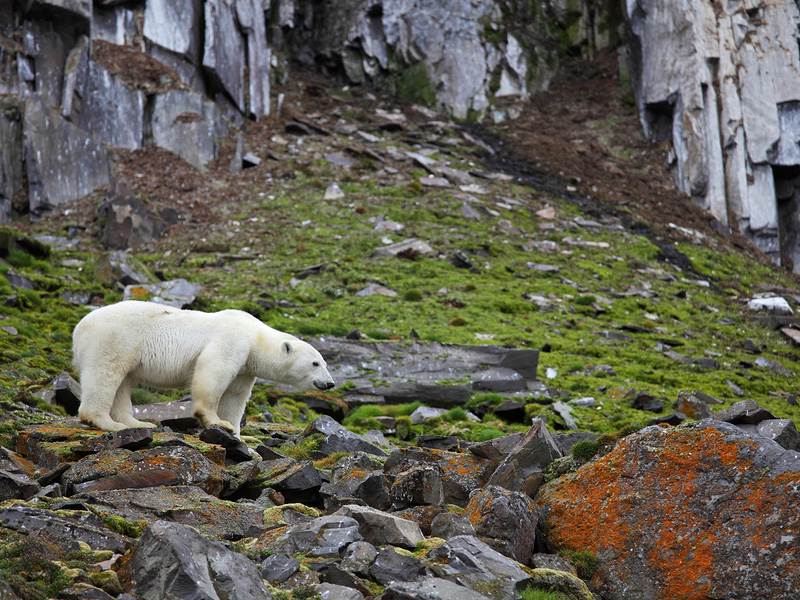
287, 347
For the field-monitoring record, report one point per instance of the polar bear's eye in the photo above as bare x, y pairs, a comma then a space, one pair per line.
315, 363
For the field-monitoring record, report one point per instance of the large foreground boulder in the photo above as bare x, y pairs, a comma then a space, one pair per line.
703, 511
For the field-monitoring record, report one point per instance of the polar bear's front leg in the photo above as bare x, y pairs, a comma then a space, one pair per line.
213, 374
234, 400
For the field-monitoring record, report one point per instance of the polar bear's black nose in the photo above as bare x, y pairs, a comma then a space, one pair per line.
324, 385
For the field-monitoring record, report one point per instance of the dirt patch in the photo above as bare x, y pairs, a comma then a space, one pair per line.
135, 68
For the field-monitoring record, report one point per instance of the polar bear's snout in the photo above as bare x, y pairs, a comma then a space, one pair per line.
323, 385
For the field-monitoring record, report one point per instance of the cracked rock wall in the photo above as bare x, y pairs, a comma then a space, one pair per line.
720, 83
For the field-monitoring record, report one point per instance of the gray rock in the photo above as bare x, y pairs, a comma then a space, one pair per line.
423, 413
175, 26
505, 520
380, 528
390, 567
122, 127
498, 379
128, 223
15, 483
224, 51
782, 431
692, 407
187, 124
184, 504
430, 588
421, 485
468, 561
745, 411
357, 477
410, 247
564, 410
11, 163
448, 525
766, 363
64, 531
174, 561
250, 15
277, 568
330, 591
53, 147
67, 392
323, 537
340, 439
116, 267
521, 469
358, 557
176, 292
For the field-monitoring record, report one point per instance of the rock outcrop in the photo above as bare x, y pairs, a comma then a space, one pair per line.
721, 85
695, 511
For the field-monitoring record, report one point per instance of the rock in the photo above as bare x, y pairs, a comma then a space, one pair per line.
471, 563
390, 567
333, 192
461, 472
356, 477
296, 481
710, 482
505, 520
176, 292
329, 591
566, 585
766, 363
339, 439
224, 51
323, 537
420, 485
783, 431
15, 482
187, 124
380, 528
448, 525
124, 126
648, 402
117, 267
437, 442
52, 147
423, 413
277, 568
358, 557
430, 588
65, 531
725, 139
521, 469
188, 505
564, 410
746, 411
771, 305
115, 469
174, 561
408, 248
127, 223
235, 449
692, 407
67, 392
250, 15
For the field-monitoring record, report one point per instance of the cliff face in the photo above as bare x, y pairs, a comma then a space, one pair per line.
720, 83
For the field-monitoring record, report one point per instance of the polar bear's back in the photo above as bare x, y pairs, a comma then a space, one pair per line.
150, 334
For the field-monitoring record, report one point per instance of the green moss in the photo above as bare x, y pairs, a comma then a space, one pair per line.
413, 84
584, 561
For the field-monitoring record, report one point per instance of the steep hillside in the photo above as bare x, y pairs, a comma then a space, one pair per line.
559, 231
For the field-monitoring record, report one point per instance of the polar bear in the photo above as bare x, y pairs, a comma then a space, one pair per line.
219, 355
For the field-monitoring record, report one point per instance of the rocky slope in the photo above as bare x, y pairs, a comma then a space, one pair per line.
519, 318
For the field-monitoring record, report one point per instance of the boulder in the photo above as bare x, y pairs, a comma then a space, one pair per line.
430, 588
127, 223
744, 412
380, 528
462, 472
175, 292
184, 504
468, 561
710, 482
175, 561
224, 50
340, 439
277, 568
505, 520
323, 537
419, 485
447, 525
357, 477
390, 567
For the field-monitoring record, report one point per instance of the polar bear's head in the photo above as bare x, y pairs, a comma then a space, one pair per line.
304, 366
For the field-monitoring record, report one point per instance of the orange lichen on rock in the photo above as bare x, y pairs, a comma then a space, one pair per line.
675, 514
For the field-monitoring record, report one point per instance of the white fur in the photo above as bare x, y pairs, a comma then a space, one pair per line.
219, 355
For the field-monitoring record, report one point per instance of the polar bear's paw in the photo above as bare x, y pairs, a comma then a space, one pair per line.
136, 423
102, 422
208, 421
